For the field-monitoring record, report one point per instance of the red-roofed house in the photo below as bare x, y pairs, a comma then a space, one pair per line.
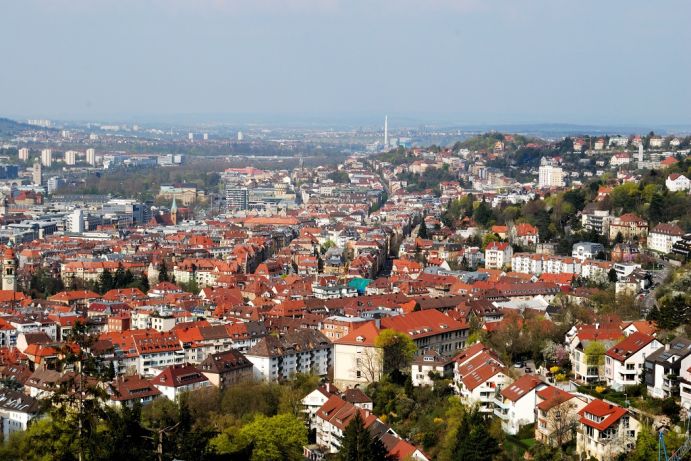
515, 404
557, 415
624, 361
629, 225
479, 375
333, 417
605, 430
357, 360
677, 182
525, 234
178, 379
577, 339
498, 255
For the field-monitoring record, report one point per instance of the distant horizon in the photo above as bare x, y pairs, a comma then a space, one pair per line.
351, 121
620, 62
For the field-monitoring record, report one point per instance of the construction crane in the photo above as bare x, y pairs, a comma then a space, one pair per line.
681, 452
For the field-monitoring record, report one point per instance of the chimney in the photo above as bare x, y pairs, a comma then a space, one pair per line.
667, 346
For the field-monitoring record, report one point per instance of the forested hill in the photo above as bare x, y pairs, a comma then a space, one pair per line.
10, 127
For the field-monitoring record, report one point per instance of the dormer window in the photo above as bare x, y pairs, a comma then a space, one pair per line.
360, 339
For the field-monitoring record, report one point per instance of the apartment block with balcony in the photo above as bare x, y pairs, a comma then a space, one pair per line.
663, 368
624, 362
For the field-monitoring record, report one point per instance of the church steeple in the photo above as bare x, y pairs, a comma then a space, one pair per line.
174, 212
9, 269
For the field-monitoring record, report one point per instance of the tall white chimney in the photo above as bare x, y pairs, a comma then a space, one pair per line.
640, 151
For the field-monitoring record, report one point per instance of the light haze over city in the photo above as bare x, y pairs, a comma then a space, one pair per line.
464, 61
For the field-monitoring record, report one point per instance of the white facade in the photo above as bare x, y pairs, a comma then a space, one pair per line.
357, 365
685, 382
76, 221
70, 157
47, 157
516, 413
550, 176
91, 156
662, 242
620, 374
678, 183
498, 256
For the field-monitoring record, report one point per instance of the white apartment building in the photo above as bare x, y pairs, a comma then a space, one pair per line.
624, 362
498, 255
298, 351
70, 157
550, 176
91, 156
47, 158
515, 404
663, 236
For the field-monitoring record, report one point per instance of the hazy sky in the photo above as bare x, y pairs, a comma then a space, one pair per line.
472, 61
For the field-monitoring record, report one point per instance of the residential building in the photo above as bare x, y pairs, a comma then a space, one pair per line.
237, 198
298, 351
590, 368
333, 417
605, 431
47, 158
428, 364
479, 375
131, 390
677, 183
515, 404
663, 368
587, 250
91, 156
663, 237
228, 368
175, 380
557, 416
498, 255
16, 410
597, 220
550, 175
624, 362
630, 226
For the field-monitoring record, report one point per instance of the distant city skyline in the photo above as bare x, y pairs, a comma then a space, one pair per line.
457, 62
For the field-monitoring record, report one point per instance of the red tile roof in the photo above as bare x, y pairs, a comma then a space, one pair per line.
609, 412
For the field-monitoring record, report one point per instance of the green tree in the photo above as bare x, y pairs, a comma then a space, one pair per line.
105, 281
474, 442
163, 272
398, 350
594, 354
358, 444
274, 438
482, 214
422, 231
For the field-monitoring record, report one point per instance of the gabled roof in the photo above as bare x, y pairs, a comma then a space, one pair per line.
609, 413
365, 335
179, 376
629, 346
552, 396
521, 387
131, 388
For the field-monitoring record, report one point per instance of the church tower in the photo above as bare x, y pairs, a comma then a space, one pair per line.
9, 269
174, 212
